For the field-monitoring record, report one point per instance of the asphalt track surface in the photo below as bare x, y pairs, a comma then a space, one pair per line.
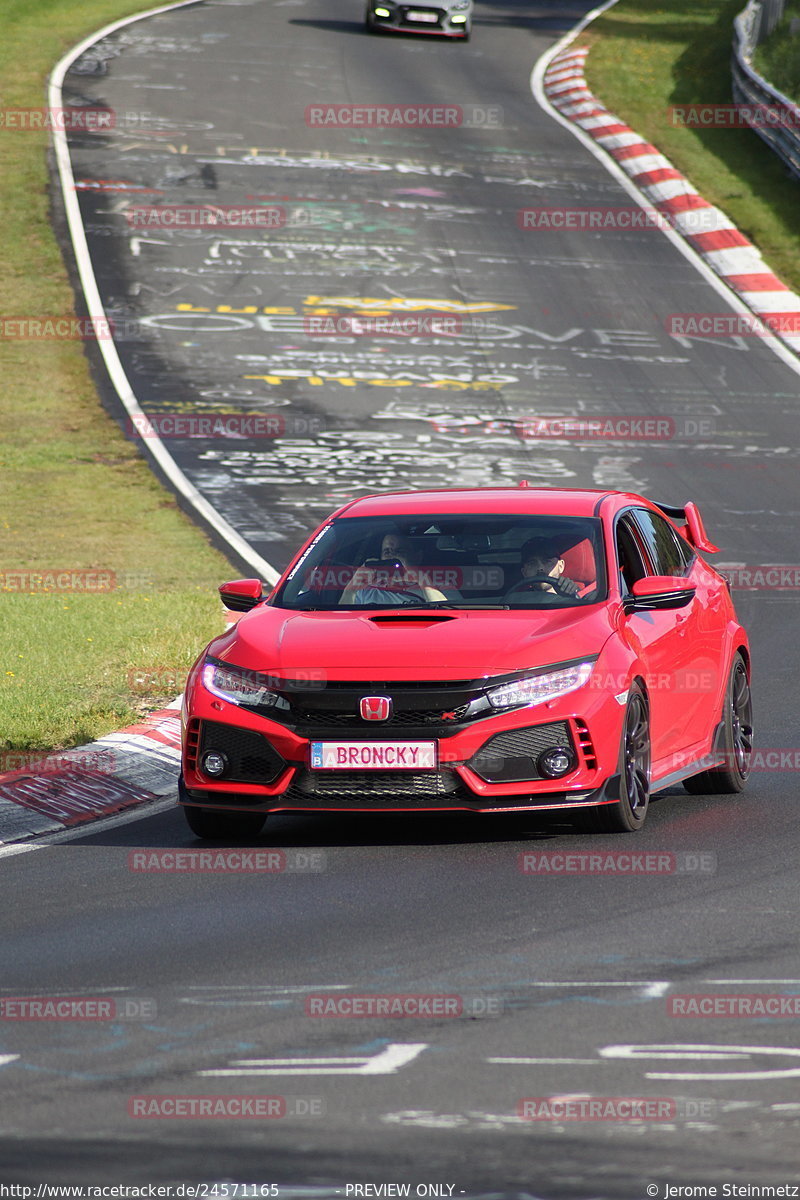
578, 970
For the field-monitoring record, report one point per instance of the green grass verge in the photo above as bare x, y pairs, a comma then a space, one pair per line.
647, 55
778, 58
75, 493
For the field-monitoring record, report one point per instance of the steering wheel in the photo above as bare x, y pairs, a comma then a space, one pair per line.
554, 582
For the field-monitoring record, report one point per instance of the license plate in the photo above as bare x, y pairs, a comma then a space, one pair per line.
431, 18
373, 756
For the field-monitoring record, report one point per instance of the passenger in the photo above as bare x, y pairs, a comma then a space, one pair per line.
391, 585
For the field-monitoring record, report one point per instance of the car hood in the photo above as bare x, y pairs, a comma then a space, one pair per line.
441, 644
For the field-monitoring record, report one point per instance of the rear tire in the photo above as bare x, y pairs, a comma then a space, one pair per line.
222, 826
628, 813
737, 740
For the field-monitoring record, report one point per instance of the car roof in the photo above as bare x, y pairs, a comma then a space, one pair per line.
572, 502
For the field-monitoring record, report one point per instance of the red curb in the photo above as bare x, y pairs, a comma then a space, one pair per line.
599, 131
757, 283
66, 789
688, 202
658, 176
718, 239
636, 151
70, 797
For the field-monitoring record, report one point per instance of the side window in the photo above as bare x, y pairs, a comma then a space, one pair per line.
629, 557
670, 556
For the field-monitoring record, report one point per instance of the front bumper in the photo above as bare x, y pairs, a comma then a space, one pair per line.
421, 18
488, 765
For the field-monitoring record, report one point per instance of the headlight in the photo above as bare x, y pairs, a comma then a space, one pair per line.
536, 689
240, 686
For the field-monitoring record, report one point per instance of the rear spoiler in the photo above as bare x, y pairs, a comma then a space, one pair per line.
694, 531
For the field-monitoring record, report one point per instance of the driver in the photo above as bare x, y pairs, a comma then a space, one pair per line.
390, 585
541, 560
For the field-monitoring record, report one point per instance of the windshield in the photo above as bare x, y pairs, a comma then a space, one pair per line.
471, 561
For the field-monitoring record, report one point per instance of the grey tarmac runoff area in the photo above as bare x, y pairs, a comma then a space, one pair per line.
567, 982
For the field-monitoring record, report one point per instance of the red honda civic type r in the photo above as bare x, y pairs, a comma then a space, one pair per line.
488, 650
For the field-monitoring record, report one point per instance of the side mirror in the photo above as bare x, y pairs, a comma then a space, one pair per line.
240, 595
658, 591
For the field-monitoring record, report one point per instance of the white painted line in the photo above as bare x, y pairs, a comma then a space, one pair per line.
710, 1053
690, 1052
525, 1062
292, 1062
22, 848
272, 988
796, 982
656, 990
388, 1062
7, 1058
94, 304
593, 983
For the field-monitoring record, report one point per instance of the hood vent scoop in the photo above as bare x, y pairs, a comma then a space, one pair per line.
412, 619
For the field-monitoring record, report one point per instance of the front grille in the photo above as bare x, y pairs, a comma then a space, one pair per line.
251, 758
369, 784
350, 718
383, 789
510, 757
436, 708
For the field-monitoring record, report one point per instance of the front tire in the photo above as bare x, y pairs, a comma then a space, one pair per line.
628, 813
737, 740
